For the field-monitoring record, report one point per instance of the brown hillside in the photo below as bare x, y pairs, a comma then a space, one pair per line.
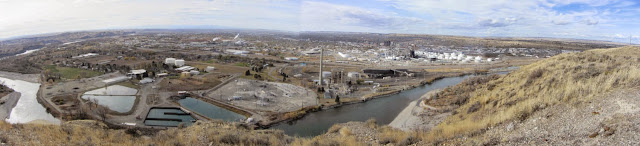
563, 79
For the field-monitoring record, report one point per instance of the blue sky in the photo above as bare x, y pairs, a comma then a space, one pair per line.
612, 20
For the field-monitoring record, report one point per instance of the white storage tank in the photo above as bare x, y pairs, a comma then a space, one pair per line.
171, 61
180, 62
478, 59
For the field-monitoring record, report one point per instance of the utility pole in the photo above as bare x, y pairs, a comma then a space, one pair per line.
321, 60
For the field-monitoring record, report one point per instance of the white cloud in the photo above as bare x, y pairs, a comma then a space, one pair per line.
36, 16
595, 19
326, 16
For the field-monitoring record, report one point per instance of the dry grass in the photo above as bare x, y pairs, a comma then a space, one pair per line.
189, 84
563, 79
96, 133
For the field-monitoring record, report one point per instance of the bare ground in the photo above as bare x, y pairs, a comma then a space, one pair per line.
610, 120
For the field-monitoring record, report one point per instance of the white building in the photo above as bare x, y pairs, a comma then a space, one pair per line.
185, 68
179, 62
210, 69
138, 71
170, 61
353, 74
194, 72
291, 58
146, 80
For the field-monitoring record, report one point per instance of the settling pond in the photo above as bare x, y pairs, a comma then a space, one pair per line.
209, 110
170, 117
117, 98
383, 109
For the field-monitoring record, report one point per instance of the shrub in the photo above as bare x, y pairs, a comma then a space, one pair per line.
474, 107
230, 139
344, 131
334, 129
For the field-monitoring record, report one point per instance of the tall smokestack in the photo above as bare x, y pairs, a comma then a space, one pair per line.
321, 60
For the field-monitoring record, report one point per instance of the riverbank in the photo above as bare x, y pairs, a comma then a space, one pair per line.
301, 113
419, 116
33, 78
384, 109
7, 103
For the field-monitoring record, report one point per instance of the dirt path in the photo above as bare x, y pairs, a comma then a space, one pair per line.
418, 116
405, 119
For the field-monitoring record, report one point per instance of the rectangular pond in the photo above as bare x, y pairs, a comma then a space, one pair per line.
113, 90
121, 104
209, 110
170, 117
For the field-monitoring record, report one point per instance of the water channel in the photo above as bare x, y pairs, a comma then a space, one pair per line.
209, 110
171, 117
383, 109
27, 109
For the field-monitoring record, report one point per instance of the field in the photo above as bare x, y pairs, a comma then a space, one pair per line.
188, 84
71, 73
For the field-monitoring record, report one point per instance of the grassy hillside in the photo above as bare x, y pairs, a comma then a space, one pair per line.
563, 79
88, 132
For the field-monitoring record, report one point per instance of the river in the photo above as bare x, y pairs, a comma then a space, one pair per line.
383, 109
27, 109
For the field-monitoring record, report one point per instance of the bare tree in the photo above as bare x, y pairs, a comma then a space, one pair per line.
99, 110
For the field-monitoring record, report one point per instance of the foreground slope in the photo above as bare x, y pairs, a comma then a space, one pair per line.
573, 96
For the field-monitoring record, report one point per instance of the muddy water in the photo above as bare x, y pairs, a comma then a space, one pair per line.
383, 109
27, 109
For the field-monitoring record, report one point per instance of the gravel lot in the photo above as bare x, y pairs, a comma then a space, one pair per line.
265, 96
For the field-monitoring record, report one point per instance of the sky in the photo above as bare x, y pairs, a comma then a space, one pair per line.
609, 20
